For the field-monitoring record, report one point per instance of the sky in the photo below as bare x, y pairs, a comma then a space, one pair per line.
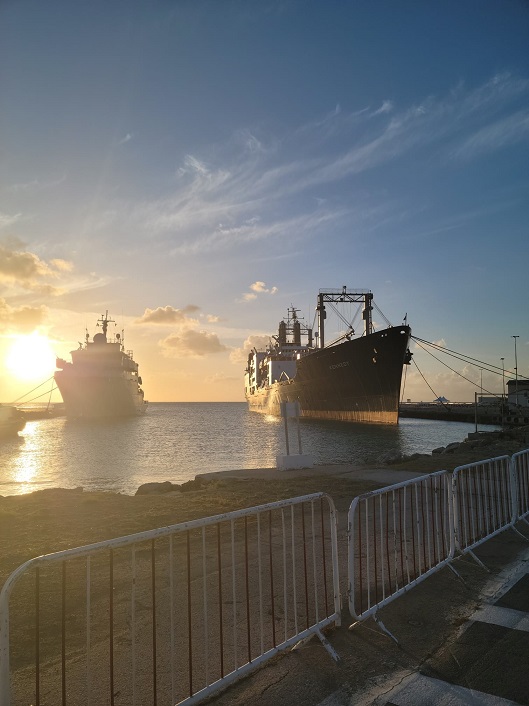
196, 167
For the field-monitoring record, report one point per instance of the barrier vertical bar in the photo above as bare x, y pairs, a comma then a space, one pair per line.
37, 636
63, 634
154, 644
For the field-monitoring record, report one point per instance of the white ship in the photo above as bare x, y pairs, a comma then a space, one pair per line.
102, 381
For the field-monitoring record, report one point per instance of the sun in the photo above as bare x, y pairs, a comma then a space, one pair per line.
31, 358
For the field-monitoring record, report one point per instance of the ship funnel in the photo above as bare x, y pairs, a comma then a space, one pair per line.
282, 337
297, 333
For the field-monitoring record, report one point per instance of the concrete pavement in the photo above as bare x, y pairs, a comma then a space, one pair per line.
460, 644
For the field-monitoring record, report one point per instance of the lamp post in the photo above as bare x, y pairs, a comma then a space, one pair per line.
516, 369
503, 398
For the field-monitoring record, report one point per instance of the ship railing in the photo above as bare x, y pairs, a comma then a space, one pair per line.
397, 537
174, 613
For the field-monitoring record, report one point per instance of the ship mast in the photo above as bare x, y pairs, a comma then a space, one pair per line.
340, 296
105, 321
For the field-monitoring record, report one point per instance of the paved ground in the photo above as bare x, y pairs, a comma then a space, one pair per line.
460, 643
384, 476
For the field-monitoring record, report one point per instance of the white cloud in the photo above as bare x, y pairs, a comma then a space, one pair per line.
36, 185
240, 355
386, 107
192, 344
28, 271
128, 137
7, 220
258, 288
242, 191
168, 315
261, 288
507, 131
23, 319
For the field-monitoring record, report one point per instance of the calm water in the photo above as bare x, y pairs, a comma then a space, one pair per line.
176, 441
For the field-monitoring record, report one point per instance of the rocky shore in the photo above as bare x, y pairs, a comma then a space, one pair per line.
476, 447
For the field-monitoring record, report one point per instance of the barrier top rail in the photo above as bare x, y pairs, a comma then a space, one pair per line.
152, 534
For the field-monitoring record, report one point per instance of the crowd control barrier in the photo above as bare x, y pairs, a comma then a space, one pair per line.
520, 463
484, 502
172, 615
398, 536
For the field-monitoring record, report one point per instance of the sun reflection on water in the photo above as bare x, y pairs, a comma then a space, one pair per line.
26, 466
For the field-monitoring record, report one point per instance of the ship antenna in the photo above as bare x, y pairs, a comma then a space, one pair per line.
105, 321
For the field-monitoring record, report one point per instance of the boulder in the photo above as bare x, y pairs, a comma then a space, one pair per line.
157, 488
451, 447
197, 484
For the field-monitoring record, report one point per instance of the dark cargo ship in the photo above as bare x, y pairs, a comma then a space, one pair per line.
102, 380
353, 379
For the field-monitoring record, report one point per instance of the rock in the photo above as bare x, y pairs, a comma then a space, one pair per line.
197, 484
438, 450
391, 457
157, 488
451, 447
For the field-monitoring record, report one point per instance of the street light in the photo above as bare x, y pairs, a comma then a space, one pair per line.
503, 399
516, 368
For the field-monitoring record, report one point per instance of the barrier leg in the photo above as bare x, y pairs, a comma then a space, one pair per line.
330, 649
380, 625
478, 561
456, 573
520, 533
384, 628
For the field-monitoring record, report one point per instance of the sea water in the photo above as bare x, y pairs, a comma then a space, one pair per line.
176, 441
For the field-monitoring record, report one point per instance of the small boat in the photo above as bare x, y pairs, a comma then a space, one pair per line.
354, 378
102, 381
12, 420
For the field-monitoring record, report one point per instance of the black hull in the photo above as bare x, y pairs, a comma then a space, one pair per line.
355, 381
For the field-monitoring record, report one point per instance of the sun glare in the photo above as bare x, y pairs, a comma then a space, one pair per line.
31, 358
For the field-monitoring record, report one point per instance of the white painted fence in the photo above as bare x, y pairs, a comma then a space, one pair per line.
171, 615
398, 536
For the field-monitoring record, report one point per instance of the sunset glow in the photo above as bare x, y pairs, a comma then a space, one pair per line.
197, 168
31, 358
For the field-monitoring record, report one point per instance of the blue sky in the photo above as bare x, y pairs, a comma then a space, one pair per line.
197, 167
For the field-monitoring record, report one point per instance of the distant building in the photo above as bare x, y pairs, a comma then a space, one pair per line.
518, 392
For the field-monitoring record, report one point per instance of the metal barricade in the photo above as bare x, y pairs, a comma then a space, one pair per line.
520, 462
484, 502
397, 537
171, 615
